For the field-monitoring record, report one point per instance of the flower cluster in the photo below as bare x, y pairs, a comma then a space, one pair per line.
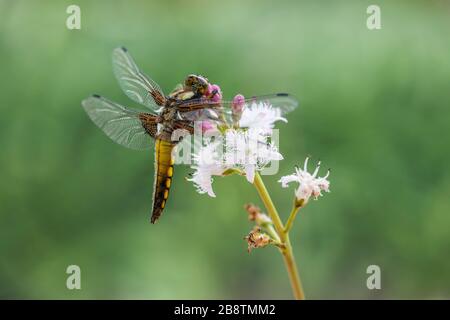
243, 149
249, 151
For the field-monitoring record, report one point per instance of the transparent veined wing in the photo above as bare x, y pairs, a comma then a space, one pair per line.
202, 108
283, 101
122, 125
136, 85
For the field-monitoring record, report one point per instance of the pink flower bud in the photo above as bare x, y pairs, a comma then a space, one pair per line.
238, 103
215, 92
208, 91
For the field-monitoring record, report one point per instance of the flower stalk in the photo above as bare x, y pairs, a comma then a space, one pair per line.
286, 248
270, 207
295, 208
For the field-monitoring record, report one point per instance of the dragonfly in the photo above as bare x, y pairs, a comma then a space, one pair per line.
152, 126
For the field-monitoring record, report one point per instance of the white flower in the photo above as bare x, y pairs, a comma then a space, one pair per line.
208, 163
246, 151
260, 116
249, 151
309, 184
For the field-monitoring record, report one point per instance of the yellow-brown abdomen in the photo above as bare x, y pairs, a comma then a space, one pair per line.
163, 176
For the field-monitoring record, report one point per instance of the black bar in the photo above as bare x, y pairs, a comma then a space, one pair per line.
233, 309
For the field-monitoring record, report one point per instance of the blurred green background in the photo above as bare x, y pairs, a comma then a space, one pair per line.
374, 108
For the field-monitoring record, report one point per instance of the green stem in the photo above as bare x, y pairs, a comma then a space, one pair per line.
271, 232
291, 267
270, 207
291, 218
286, 251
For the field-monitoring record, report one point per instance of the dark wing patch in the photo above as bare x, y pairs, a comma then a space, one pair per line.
149, 122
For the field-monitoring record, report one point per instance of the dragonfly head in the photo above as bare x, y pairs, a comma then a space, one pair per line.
198, 84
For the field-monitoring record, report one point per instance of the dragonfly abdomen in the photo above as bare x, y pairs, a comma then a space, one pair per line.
163, 176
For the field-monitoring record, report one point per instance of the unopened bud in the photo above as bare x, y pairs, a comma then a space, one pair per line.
255, 214
252, 210
237, 106
214, 92
238, 103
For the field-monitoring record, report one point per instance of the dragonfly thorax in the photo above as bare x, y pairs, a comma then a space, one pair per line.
168, 114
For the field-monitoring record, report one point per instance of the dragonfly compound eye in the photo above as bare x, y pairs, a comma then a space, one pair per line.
190, 80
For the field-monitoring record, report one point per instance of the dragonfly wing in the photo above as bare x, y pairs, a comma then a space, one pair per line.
136, 85
201, 109
201, 114
122, 125
283, 101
